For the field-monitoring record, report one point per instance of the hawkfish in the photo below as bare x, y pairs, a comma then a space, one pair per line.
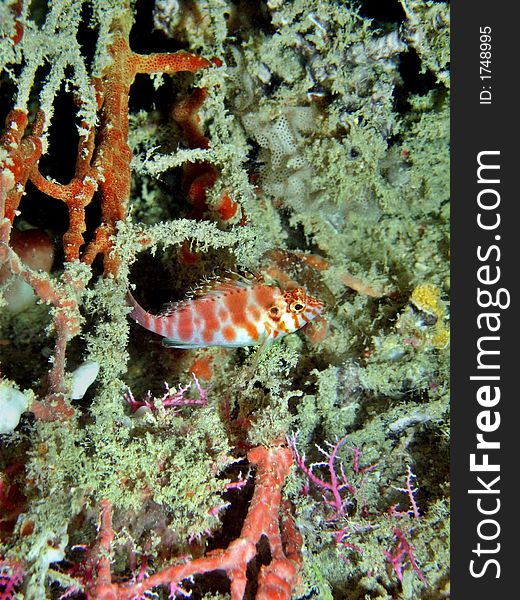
230, 312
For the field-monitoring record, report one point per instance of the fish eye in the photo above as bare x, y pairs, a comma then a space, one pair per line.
273, 310
297, 307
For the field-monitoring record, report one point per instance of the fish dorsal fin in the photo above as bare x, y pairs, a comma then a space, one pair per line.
221, 284
218, 285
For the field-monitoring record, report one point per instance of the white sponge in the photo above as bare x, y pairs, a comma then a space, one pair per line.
12, 404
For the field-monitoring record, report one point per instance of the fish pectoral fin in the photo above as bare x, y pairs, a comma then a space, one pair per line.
168, 343
266, 342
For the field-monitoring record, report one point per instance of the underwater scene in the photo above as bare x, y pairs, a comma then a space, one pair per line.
224, 299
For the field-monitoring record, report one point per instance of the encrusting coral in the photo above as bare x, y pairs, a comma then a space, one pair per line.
152, 148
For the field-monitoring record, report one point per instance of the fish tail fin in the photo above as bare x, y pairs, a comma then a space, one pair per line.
138, 313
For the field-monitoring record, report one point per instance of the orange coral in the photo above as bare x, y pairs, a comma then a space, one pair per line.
267, 516
198, 178
102, 165
23, 153
201, 367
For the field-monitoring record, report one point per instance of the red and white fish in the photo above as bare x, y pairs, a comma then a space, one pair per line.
230, 312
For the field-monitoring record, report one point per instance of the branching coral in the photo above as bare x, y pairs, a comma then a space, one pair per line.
276, 580
103, 162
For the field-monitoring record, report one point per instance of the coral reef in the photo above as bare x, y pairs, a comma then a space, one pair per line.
150, 146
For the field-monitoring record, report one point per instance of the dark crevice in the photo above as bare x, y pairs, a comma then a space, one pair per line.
414, 83
60, 161
38, 10
262, 558
248, 17
43, 212
144, 38
389, 11
87, 35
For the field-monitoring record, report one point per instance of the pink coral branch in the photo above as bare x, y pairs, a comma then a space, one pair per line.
172, 398
334, 486
402, 552
11, 575
410, 491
